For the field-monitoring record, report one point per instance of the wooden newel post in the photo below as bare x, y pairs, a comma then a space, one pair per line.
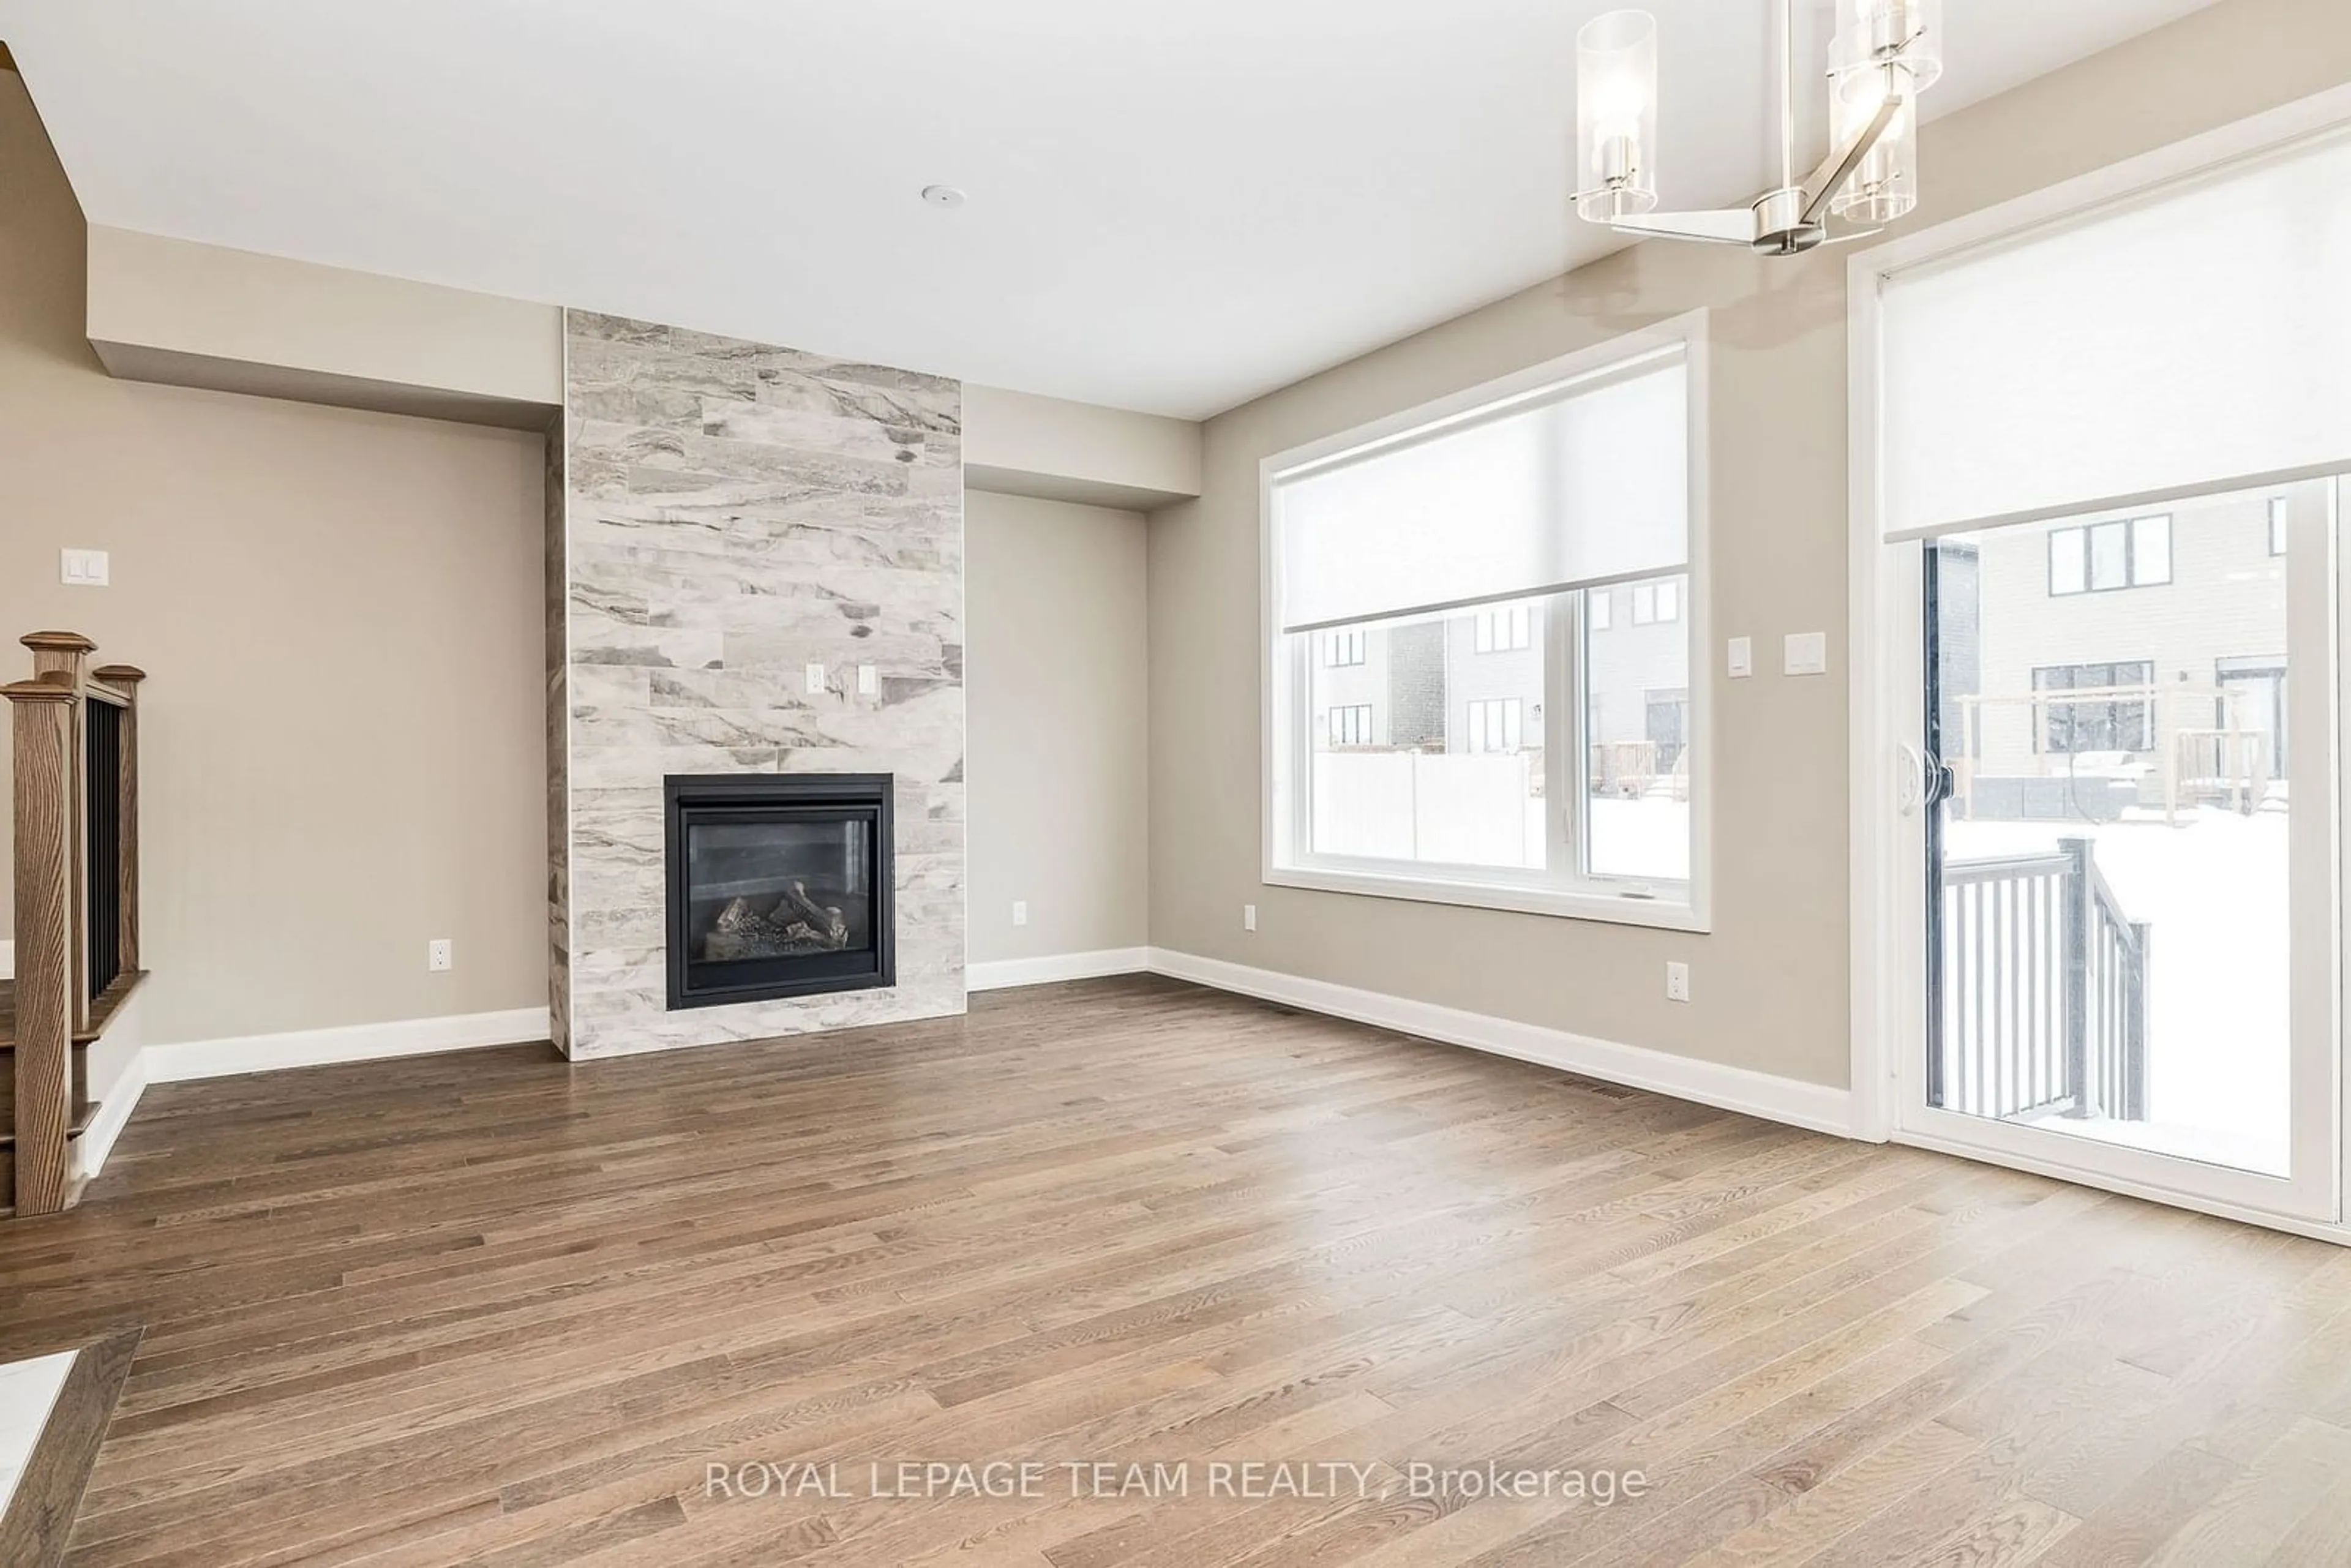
125, 678
57, 655
43, 720
57, 658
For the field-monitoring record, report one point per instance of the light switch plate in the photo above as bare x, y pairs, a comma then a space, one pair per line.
1249, 916
1741, 658
868, 680
815, 679
82, 567
1806, 653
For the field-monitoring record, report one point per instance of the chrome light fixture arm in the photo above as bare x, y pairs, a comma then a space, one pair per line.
1723, 225
1835, 170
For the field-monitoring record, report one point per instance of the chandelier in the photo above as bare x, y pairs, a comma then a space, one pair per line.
1888, 52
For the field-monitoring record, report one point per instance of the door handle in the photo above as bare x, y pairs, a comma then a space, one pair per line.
1911, 790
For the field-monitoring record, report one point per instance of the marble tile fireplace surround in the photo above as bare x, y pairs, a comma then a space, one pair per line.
755, 567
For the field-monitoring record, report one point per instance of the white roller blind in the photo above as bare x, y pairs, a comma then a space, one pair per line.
1589, 484
2196, 335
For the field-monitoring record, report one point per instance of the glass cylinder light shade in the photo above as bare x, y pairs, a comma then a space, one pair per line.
1885, 185
1880, 32
1888, 48
1616, 116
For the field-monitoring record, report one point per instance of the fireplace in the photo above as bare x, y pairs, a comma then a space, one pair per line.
779, 885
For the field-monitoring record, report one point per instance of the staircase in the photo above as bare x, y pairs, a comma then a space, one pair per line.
75, 825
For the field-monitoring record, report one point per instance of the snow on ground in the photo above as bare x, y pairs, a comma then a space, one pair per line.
2214, 890
1647, 837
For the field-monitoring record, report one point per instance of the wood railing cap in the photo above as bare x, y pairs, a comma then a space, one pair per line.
37, 692
57, 642
119, 674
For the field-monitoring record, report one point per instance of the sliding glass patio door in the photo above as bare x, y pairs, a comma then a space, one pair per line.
2123, 815
2099, 439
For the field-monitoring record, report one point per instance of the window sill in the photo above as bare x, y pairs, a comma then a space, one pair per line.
1615, 909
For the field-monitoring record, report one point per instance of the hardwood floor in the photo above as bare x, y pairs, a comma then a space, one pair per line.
487, 1308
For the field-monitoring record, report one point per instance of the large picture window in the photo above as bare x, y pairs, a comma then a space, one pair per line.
1538, 746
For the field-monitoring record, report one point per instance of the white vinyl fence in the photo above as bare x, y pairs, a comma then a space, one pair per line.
1459, 808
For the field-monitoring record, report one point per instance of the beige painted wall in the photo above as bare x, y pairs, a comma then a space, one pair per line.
340, 614
189, 314
1023, 445
1058, 744
307, 322
1770, 982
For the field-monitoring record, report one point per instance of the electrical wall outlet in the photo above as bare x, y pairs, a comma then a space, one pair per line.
815, 679
440, 955
1677, 982
1020, 912
82, 567
1249, 916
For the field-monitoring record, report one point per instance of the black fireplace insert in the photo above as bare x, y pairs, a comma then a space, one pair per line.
779, 885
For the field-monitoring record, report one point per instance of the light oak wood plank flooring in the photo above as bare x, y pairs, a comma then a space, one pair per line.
489, 1308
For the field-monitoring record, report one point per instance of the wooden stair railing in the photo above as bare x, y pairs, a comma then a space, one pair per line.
75, 816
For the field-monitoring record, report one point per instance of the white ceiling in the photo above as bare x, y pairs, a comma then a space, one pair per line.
1175, 205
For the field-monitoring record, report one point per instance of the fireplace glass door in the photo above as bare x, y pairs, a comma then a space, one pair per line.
779, 887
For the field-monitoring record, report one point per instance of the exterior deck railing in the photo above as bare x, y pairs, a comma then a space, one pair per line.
2044, 990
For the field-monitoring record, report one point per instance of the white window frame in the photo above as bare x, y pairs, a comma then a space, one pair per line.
1566, 890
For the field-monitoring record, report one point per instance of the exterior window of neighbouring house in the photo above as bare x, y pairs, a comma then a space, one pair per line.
1503, 629
2277, 525
1494, 725
2116, 712
2097, 558
1352, 725
1341, 648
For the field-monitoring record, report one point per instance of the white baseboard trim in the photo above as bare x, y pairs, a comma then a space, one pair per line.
1809, 1105
1792, 1100
2292, 1225
191, 1060
7, 960
96, 1140
354, 1042
1007, 972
